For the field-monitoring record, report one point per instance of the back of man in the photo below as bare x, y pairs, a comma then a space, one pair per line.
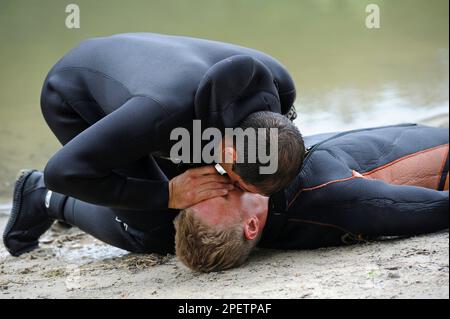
168, 69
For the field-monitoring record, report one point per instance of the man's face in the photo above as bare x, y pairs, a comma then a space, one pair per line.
237, 205
239, 182
229, 153
228, 158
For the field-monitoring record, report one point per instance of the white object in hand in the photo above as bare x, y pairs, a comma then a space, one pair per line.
220, 169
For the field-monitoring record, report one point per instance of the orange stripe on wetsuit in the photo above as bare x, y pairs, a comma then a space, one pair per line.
424, 168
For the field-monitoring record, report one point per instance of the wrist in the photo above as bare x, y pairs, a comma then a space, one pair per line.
170, 187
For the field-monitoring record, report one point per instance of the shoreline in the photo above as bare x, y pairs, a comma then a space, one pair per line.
72, 264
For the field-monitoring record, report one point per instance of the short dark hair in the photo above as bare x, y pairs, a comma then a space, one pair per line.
291, 152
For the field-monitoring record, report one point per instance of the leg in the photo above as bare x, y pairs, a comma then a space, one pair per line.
135, 231
144, 231
64, 122
140, 232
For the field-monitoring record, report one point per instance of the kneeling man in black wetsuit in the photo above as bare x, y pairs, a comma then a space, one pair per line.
113, 103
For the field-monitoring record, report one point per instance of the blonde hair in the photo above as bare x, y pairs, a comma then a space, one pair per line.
206, 248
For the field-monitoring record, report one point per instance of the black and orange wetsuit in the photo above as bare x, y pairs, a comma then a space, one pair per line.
363, 184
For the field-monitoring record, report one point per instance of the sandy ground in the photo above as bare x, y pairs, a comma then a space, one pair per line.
71, 264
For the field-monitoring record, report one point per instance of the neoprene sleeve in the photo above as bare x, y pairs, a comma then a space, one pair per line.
375, 208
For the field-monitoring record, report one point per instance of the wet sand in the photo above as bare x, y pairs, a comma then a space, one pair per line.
71, 264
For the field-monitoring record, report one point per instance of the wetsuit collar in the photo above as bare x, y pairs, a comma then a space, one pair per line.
276, 219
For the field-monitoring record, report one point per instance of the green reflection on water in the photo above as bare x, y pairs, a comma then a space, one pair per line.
324, 44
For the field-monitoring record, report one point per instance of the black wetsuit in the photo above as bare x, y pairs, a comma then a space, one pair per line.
112, 102
353, 186
360, 185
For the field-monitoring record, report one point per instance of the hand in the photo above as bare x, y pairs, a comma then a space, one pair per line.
196, 185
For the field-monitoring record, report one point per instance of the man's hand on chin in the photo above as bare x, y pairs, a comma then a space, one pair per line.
196, 185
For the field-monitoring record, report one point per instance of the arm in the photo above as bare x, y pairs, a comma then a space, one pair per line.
84, 167
375, 208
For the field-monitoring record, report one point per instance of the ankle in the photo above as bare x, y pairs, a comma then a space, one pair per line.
54, 205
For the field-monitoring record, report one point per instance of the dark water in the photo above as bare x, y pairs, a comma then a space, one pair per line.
347, 75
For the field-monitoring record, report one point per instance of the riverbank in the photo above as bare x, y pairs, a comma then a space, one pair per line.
71, 264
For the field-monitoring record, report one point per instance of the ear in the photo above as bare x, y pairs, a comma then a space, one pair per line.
251, 228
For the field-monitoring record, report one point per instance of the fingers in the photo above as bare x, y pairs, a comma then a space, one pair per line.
211, 193
204, 170
194, 186
213, 178
213, 186
210, 190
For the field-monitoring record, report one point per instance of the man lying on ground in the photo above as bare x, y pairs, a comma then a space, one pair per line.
353, 187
